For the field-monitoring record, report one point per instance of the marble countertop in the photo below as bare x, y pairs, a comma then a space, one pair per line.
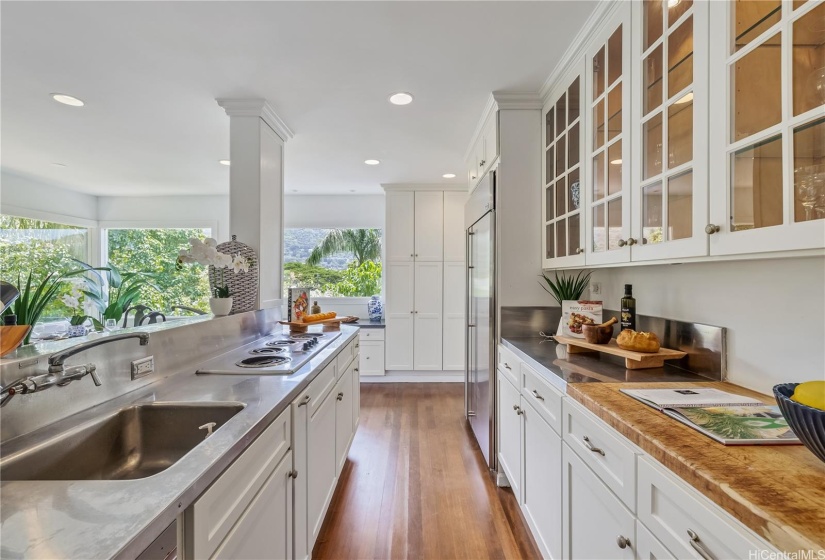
776, 491
120, 518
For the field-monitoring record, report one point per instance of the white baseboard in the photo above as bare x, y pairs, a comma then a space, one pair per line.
416, 377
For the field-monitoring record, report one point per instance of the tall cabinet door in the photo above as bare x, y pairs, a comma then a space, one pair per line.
400, 312
509, 433
429, 226
427, 337
454, 320
454, 232
400, 227
321, 472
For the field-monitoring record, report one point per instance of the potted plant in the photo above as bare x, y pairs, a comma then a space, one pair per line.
566, 288
205, 252
114, 296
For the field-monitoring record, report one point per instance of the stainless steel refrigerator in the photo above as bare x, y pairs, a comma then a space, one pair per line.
480, 382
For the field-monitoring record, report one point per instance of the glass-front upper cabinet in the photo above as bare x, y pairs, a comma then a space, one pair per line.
562, 175
670, 174
767, 126
606, 101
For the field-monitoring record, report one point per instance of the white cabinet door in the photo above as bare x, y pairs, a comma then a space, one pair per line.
399, 312
509, 433
490, 139
429, 226
454, 310
343, 418
648, 547
300, 441
372, 358
356, 398
541, 486
454, 232
595, 524
265, 528
399, 231
321, 459
427, 336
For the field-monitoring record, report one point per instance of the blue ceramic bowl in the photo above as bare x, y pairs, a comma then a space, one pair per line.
808, 423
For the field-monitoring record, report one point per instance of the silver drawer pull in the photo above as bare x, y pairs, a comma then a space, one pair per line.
698, 546
591, 448
536, 394
623, 542
305, 401
507, 366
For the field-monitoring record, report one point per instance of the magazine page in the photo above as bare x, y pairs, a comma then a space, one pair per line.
689, 397
739, 424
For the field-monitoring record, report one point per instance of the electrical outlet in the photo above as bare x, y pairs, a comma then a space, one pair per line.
596, 288
143, 367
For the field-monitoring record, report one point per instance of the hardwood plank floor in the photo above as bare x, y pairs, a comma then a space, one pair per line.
416, 485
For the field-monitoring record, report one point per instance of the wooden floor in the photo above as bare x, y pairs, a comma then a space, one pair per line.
416, 485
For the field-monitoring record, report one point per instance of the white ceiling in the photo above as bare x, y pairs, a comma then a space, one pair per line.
149, 73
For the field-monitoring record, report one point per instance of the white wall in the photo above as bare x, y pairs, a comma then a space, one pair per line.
774, 311
21, 196
166, 211
334, 211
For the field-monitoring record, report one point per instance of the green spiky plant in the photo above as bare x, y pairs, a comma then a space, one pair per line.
123, 289
563, 287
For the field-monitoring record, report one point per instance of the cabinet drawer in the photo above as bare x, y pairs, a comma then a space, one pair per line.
674, 512
611, 456
345, 357
648, 547
372, 358
371, 334
321, 387
212, 516
542, 396
508, 361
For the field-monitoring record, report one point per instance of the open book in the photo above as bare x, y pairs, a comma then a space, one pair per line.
728, 418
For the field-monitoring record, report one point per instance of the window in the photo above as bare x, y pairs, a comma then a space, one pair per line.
41, 247
154, 251
333, 262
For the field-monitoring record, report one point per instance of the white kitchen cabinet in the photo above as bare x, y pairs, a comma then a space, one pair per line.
399, 313
372, 358
509, 433
455, 282
429, 226
356, 397
649, 547
541, 485
484, 151
454, 232
399, 232
428, 313
595, 524
300, 441
343, 417
473, 168
321, 465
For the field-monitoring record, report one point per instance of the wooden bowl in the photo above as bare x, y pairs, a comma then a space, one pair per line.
12, 337
597, 334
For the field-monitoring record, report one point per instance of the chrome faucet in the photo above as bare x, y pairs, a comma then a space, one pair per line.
59, 374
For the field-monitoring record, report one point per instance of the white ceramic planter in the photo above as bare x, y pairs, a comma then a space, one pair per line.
220, 306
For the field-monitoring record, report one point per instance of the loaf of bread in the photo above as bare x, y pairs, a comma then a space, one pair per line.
638, 341
315, 317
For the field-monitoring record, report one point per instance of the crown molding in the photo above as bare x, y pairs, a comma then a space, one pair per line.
257, 108
505, 100
398, 187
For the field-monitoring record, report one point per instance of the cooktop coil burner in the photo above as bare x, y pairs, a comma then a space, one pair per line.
268, 351
306, 336
261, 361
282, 343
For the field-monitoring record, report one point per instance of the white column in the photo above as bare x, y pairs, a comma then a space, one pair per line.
256, 187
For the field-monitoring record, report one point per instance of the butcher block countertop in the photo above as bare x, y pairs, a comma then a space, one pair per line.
776, 491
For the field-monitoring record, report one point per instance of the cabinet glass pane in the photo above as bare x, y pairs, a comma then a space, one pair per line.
598, 176
614, 112
653, 80
561, 156
798, 3
614, 223
561, 238
573, 191
599, 236
549, 127
676, 9
573, 146
614, 58
757, 185
752, 18
680, 133
680, 58
550, 241
809, 171
809, 61
614, 170
757, 108
680, 206
573, 101
598, 125
652, 135
549, 211
653, 22
561, 195
549, 161
573, 235
652, 214
599, 74
561, 115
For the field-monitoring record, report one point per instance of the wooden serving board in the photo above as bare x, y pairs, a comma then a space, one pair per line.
11, 337
327, 324
632, 360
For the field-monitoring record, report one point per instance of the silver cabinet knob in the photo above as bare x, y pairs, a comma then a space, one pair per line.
631, 241
622, 243
482, 162
710, 229
518, 409
340, 396
623, 542
412, 255
579, 251
292, 474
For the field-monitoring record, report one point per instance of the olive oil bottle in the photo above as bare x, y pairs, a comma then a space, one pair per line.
628, 308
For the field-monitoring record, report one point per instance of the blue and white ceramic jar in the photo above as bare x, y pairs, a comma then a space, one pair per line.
375, 308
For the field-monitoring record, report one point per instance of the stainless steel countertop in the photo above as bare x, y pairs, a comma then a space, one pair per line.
104, 519
552, 361
367, 324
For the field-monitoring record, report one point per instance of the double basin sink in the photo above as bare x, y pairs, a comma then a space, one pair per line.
131, 443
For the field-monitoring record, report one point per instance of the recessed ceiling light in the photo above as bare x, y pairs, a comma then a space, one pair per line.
225, 162
67, 100
401, 98
59, 164
371, 161
294, 190
687, 98
449, 175
352, 190
616, 162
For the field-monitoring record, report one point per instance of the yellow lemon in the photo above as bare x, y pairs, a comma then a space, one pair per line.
810, 393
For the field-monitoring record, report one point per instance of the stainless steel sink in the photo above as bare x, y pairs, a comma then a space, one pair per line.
134, 442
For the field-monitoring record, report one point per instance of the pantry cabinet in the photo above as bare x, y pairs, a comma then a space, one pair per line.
509, 433
455, 280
